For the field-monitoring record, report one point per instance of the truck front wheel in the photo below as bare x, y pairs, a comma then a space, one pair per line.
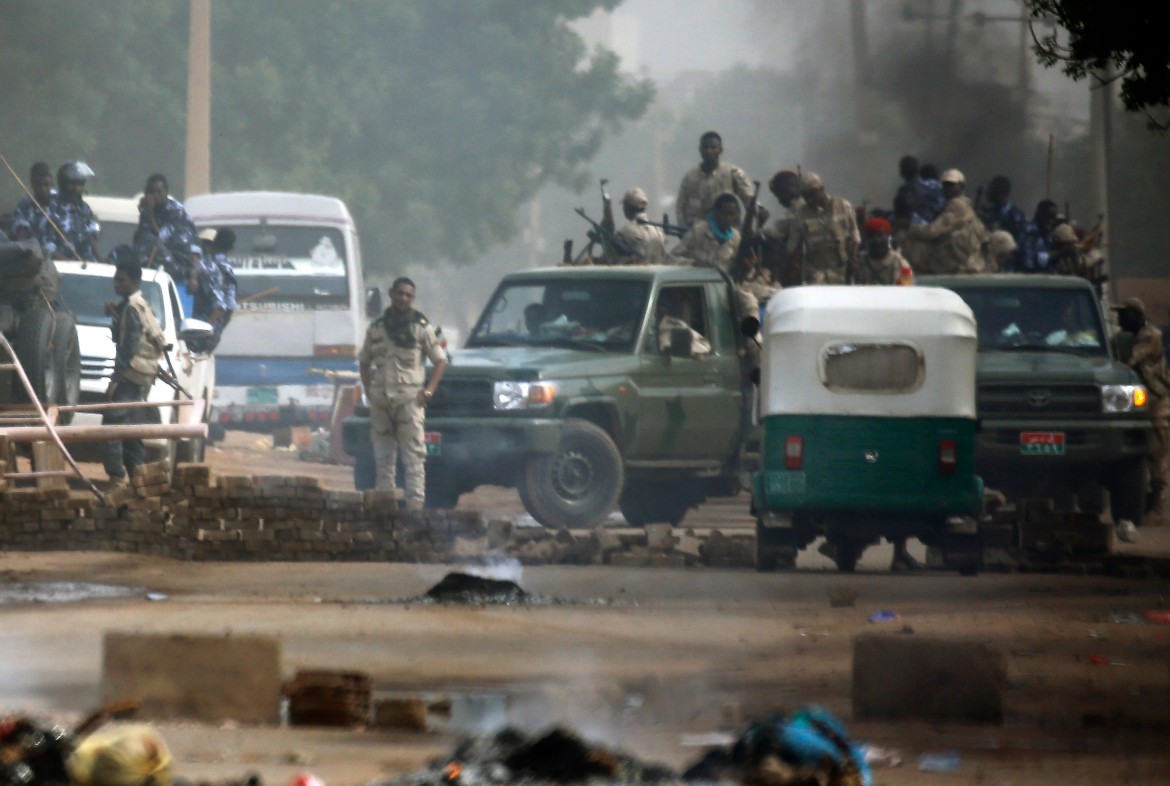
578, 484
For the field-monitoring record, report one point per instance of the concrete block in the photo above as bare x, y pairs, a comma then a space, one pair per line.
659, 537
898, 676
405, 714
207, 678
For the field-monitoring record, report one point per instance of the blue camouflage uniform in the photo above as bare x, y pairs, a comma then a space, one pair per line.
77, 223
28, 216
176, 237
1035, 248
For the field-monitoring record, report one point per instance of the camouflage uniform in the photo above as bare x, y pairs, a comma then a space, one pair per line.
698, 190
172, 248
700, 248
1149, 361
884, 271
28, 216
397, 350
956, 239
77, 223
140, 343
649, 241
824, 239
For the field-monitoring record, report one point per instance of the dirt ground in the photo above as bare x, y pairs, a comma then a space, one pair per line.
642, 659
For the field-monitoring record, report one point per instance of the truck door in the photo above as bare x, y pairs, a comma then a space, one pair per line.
687, 413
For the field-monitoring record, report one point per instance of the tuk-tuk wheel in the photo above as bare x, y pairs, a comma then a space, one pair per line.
847, 553
775, 549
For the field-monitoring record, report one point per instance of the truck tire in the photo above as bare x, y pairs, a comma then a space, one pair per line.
1127, 492
643, 503
365, 472
66, 373
775, 549
34, 344
578, 484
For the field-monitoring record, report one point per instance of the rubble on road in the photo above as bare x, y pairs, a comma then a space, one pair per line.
464, 588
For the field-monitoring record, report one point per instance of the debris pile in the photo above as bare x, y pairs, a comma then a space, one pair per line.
465, 588
554, 757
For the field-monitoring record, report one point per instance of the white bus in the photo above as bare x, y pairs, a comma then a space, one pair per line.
301, 306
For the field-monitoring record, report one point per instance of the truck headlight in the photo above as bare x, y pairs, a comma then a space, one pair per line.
522, 395
1123, 398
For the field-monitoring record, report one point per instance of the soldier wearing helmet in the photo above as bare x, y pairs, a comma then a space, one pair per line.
71, 231
648, 241
955, 238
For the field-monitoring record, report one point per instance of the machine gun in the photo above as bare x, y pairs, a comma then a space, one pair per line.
672, 230
612, 244
747, 257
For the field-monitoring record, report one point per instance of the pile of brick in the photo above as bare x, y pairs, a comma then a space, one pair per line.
655, 546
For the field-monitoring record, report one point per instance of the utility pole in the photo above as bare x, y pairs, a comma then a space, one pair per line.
197, 177
1100, 139
863, 114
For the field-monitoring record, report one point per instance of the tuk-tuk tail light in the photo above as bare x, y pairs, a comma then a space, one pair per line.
947, 457
793, 452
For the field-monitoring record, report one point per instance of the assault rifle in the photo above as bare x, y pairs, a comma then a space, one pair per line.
673, 230
168, 375
747, 257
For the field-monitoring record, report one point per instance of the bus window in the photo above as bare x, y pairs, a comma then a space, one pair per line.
292, 268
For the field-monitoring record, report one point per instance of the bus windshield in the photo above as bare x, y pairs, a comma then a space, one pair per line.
294, 268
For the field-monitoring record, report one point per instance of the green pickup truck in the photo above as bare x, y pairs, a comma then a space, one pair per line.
1060, 416
565, 391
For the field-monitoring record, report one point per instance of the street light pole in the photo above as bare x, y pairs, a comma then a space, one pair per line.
197, 177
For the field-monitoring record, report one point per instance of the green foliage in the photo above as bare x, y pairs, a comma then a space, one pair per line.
1125, 38
433, 119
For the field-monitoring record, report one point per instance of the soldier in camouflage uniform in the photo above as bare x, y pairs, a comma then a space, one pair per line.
957, 237
140, 343
824, 236
879, 263
701, 185
69, 211
1149, 361
392, 360
785, 186
648, 241
30, 211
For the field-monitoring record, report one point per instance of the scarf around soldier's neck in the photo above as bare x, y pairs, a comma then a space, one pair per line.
397, 325
721, 235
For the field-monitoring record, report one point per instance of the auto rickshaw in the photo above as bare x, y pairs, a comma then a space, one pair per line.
867, 408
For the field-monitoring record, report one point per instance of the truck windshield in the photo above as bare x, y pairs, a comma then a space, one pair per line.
289, 268
603, 315
87, 296
1036, 319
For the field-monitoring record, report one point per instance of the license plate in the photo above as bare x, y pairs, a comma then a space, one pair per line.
434, 442
263, 395
1042, 443
784, 482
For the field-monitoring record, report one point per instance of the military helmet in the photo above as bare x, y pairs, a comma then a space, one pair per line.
75, 170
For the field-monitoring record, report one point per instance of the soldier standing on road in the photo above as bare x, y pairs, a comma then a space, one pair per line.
392, 360
701, 185
648, 241
1148, 360
140, 342
824, 236
957, 236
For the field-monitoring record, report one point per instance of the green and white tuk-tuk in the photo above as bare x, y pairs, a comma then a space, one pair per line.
867, 407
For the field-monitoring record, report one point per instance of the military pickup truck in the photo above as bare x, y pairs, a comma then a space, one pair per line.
1060, 416
566, 391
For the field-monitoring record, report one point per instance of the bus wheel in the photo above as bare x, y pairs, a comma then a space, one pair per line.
578, 484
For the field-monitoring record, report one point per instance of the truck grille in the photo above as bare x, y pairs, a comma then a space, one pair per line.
1038, 400
462, 397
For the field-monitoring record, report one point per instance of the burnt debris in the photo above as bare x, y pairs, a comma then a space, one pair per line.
457, 587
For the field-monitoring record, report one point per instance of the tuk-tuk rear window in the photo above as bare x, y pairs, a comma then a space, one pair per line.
856, 367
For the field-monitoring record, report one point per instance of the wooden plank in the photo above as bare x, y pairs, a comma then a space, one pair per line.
48, 459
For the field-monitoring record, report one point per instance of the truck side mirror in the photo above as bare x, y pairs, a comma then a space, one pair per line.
680, 343
191, 329
749, 327
373, 303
